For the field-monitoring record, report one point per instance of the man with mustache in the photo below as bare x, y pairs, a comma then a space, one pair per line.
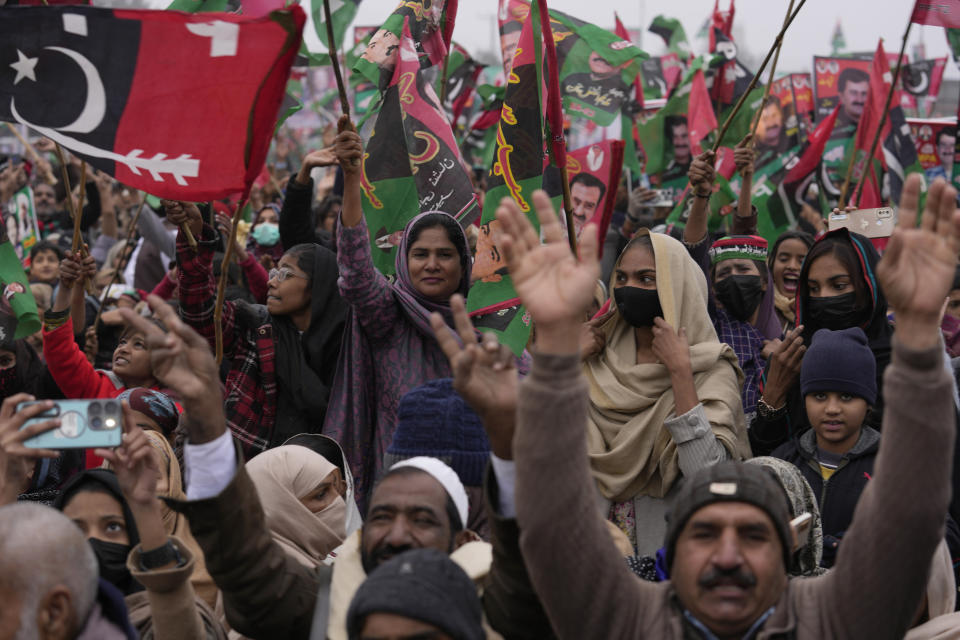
853, 86
730, 538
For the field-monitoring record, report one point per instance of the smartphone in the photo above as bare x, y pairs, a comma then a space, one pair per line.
84, 424
801, 526
872, 223
663, 199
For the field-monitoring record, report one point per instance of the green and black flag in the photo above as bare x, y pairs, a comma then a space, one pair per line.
418, 171
516, 172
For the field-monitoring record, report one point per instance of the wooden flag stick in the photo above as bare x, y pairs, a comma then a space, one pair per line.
189, 236
756, 77
124, 259
77, 245
883, 117
846, 181
224, 272
773, 71
78, 210
335, 61
48, 176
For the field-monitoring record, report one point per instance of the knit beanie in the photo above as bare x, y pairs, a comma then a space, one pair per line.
730, 481
422, 584
840, 361
433, 420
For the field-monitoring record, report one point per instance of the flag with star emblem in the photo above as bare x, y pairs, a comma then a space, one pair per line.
181, 106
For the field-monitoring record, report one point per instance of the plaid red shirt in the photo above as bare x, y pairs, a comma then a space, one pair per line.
249, 348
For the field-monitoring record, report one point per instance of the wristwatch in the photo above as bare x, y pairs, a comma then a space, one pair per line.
161, 556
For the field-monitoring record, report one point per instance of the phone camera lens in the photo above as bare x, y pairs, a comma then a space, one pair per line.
94, 409
96, 422
111, 407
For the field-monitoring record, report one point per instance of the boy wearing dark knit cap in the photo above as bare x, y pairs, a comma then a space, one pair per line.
417, 594
836, 455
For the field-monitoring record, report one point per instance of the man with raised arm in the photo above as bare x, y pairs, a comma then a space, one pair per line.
729, 539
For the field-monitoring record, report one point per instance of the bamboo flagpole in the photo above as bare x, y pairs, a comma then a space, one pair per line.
75, 215
48, 177
77, 238
335, 61
756, 77
222, 284
124, 259
773, 71
883, 118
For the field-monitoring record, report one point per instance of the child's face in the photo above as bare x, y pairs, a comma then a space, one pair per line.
836, 418
131, 358
45, 266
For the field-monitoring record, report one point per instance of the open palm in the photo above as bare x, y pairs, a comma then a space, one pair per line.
551, 282
918, 266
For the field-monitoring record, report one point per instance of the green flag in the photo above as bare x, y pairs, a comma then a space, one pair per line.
199, 6
17, 303
315, 46
673, 34
516, 172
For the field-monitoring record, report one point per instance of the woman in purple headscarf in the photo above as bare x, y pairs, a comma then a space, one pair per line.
388, 346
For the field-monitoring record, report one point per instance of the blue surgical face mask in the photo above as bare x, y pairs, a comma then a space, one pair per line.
266, 234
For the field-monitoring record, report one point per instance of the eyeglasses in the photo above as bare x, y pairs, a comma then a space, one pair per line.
283, 273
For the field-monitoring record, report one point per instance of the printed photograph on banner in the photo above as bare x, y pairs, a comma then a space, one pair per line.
935, 141
20, 221
844, 81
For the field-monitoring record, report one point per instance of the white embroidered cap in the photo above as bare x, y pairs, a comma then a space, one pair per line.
446, 476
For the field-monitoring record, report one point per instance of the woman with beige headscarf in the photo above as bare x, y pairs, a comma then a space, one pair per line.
302, 494
664, 392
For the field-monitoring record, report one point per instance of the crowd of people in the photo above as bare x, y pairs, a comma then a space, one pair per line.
707, 437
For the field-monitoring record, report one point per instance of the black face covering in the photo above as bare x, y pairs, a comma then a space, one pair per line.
740, 295
835, 312
638, 306
112, 562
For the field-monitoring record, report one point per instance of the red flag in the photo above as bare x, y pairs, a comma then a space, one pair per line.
554, 106
810, 157
721, 21
701, 120
622, 32
880, 79
941, 13
182, 106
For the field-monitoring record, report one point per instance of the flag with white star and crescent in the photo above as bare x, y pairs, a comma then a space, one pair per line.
181, 106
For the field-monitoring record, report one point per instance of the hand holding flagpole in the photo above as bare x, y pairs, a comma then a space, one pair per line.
334, 60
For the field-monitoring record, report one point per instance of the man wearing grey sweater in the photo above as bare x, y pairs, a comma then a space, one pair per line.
728, 543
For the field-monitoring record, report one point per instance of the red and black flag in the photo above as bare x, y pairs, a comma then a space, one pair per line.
516, 172
411, 162
921, 82
461, 81
181, 106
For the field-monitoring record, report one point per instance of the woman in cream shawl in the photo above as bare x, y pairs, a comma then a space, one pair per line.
659, 359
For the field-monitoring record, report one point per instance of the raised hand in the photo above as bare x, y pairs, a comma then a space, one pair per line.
917, 269
348, 146
325, 157
744, 156
702, 173
74, 268
15, 458
225, 226
182, 360
784, 367
134, 461
483, 373
180, 213
555, 286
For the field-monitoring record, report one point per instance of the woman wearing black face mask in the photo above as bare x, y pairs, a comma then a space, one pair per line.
837, 290
122, 519
664, 402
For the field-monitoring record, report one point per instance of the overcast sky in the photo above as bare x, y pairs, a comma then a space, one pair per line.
756, 25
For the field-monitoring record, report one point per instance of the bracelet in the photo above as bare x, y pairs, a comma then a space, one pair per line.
767, 412
55, 319
702, 195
